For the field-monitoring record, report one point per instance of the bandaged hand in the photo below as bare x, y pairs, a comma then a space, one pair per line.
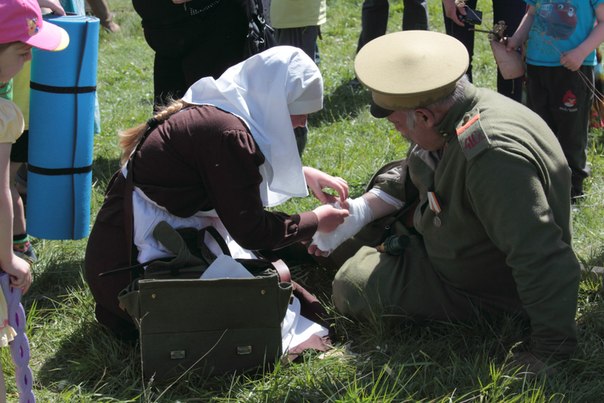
323, 243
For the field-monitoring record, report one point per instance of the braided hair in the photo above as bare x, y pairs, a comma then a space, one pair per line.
129, 138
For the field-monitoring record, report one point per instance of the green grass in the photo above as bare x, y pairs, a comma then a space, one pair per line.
75, 360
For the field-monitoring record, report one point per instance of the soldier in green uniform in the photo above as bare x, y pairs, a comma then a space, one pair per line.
476, 219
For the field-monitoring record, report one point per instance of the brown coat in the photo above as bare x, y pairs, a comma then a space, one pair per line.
199, 159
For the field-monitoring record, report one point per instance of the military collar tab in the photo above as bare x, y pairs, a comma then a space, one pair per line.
449, 123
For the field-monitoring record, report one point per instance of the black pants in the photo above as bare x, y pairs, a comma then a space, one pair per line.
198, 47
563, 99
374, 18
510, 11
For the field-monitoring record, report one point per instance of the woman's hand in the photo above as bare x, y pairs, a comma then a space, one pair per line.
19, 272
330, 217
318, 180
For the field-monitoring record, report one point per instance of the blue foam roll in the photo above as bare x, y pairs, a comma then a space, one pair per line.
61, 133
51, 223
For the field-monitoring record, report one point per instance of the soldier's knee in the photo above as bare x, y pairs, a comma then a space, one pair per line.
349, 294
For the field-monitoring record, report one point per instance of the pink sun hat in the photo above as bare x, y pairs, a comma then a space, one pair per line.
21, 21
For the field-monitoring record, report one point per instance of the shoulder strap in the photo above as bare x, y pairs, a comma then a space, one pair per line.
282, 270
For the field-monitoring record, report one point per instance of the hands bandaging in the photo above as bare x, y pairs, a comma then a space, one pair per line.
360, 215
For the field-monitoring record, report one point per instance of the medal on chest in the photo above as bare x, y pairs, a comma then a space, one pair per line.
434, 205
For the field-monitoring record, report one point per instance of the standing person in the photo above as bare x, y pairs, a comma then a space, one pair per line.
191, 39
560, 58
218, 157
510, 11
22, 245
375, 13
475, 221
298, 23
21, 28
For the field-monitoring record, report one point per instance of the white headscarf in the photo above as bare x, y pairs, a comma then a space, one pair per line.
264, 91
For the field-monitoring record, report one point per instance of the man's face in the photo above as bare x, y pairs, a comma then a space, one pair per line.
417, 125
12, 58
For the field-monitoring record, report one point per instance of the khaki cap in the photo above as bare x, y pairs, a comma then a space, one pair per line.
411, 69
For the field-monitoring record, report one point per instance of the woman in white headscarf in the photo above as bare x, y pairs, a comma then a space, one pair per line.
219, 156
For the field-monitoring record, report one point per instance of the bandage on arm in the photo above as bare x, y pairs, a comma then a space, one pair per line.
363, 210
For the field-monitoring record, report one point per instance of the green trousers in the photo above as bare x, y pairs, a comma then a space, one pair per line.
374, 285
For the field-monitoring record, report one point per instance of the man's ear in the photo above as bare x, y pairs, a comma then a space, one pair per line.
426, 116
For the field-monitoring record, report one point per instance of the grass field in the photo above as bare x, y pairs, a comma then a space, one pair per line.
75, 360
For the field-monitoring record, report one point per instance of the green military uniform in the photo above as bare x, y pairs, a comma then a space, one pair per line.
491, 229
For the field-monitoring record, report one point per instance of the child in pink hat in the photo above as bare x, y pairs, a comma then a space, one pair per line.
21, 28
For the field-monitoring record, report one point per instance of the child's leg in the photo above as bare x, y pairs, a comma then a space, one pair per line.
18, 209
575, 96
563, 99
21, 244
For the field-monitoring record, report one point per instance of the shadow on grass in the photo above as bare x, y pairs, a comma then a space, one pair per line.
59, 273
345, 102
93, 362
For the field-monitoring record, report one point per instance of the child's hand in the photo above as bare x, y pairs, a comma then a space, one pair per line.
54, 6
20, 273
572, 60
511, 43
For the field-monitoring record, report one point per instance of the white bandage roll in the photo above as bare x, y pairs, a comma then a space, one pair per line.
360, 215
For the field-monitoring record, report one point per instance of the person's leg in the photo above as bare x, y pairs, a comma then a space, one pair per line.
510, 11
168, 80
304, 38
563, 100
18, 161
539, 94
217, 43
372, 286
572, 104
105, 251
463, 34
415, 14
19, 226
100, 9
374, 20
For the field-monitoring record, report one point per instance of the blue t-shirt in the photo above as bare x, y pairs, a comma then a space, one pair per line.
559, 26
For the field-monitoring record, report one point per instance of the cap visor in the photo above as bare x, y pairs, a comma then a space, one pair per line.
50, 37
379, 112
